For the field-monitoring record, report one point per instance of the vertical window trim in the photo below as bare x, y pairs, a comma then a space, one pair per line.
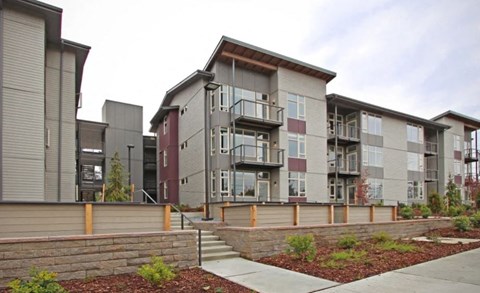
297, 178
165, 124
165, 158
300, 106
213, 183
212, 142
224, 175
299, 140
224, 136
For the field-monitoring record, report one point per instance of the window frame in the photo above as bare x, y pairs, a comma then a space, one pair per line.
299, 140
297, 178
300, 102
374, 129
165, 124
165, 158
414, 137
212, 142
224, 137
375, 184
367, 159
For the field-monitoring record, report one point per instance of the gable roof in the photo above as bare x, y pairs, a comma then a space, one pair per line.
468, 121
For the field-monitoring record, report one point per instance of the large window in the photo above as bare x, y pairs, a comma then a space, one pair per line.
375, 188
414, 133
296, 145
224, 183
456, 143
245, 183
414, 162
296, 184
371, 123
415, 190
296, 106
226, 99
224, 146
372, 156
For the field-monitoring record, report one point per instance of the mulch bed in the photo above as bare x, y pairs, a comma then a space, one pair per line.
454, 233
376, 261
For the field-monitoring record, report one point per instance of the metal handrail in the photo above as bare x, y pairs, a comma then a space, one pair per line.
240, 152
199, 233
240, 107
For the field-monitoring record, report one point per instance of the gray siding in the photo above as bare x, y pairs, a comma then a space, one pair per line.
359, 214
271, 216
313, 215
125, 219
237, 216
23, 106
383, 214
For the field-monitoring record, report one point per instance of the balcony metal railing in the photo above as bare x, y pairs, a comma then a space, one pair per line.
345, 166
257, 155
431, 175
471, 154
470, 178
258, 111
431, 147
345, 131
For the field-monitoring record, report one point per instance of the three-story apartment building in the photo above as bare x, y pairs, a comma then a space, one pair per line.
258, 126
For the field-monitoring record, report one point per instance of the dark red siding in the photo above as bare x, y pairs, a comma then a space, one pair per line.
458, 179
297, 165
457, 155
168, 174
297, 126
297, 199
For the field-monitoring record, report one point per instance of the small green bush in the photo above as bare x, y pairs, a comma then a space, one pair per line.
302, 247
400, 247
156, 272
348, 241
426, 211
41, 282
435, 203
381, 237
475, 220
348, 255
406, 212
462, 223
455, 211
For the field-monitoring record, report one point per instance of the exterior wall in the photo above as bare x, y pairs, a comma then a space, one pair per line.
125, 127
314, 215
255, 243
82, 257
168, 175
22, 106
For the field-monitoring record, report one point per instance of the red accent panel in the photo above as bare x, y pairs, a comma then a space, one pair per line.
457, 155
169, 142
297, 126
297, 199
297, 165
458, 179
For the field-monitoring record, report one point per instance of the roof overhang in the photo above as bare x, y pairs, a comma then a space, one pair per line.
165, 107
81, 52
359, 105
261, 60
469, 122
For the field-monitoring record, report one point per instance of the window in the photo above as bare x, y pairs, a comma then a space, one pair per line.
213, 186
414, 162
372, 156
296, 184
415, 190
224, 147
212, 141
371, 123
212, 101
247, 138
225, 93
296, 106
375, 188
245, 183
165, 158
184, 181
456, 143
224, 183
331, 188
457, 167
414, 133
296, 145
165, 124
184, 145
184, 110
165, 190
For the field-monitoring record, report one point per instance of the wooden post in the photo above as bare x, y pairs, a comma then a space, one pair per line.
296, 215
132, 189
204, 211
331, 214
253, 216
345, 213
222, 213
394, 213
88, 219
372, 213
103, 192
166, 218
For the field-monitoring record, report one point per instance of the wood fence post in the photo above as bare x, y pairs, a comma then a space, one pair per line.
372, 213
167, 218
88, 219
222, 211
253, 216
345, 213
394, 213
296, 215
132, 190
331, 214
103, 192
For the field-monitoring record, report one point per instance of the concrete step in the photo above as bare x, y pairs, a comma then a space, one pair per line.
209, 238
213, 243
220, 255
179, 227
216, 249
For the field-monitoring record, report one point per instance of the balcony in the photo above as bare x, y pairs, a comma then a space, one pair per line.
431, 148
471, 178
345, 167
345, 133
471, 155
257, 156
252, 113
150, 166
431, 175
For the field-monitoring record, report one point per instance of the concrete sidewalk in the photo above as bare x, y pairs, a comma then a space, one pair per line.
455, 273
265, 278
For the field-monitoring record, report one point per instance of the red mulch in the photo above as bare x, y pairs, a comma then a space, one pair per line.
454, 233
376, 261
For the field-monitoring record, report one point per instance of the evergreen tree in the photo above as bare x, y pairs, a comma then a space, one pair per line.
453, 193
116, 190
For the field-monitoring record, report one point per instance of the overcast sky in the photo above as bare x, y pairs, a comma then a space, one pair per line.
420, 57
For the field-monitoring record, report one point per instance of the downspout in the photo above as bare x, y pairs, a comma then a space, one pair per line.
438, 162
234, 134
60, 128
336, 154
1, 99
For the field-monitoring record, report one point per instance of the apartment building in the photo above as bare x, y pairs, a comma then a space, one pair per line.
254, 125
40, 85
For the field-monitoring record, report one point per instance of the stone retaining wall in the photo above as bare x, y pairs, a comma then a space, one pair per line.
80, 257
255, 243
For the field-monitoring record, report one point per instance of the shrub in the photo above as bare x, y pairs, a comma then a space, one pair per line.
406, 213
381, 237
455, 211
462, 223
41, 282
435, 202
349, 255
348, 241
475, 220
302, 247
400, 247
426, 211
156, 272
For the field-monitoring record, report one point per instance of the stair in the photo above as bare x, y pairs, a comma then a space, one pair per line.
213, 248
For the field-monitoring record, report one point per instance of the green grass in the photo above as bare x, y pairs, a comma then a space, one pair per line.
338, 260
400, 247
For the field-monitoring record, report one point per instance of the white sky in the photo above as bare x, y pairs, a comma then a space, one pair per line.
419, 57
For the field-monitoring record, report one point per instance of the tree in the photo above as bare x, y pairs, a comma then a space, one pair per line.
452, 195
472, 187
116, 189
362, 187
